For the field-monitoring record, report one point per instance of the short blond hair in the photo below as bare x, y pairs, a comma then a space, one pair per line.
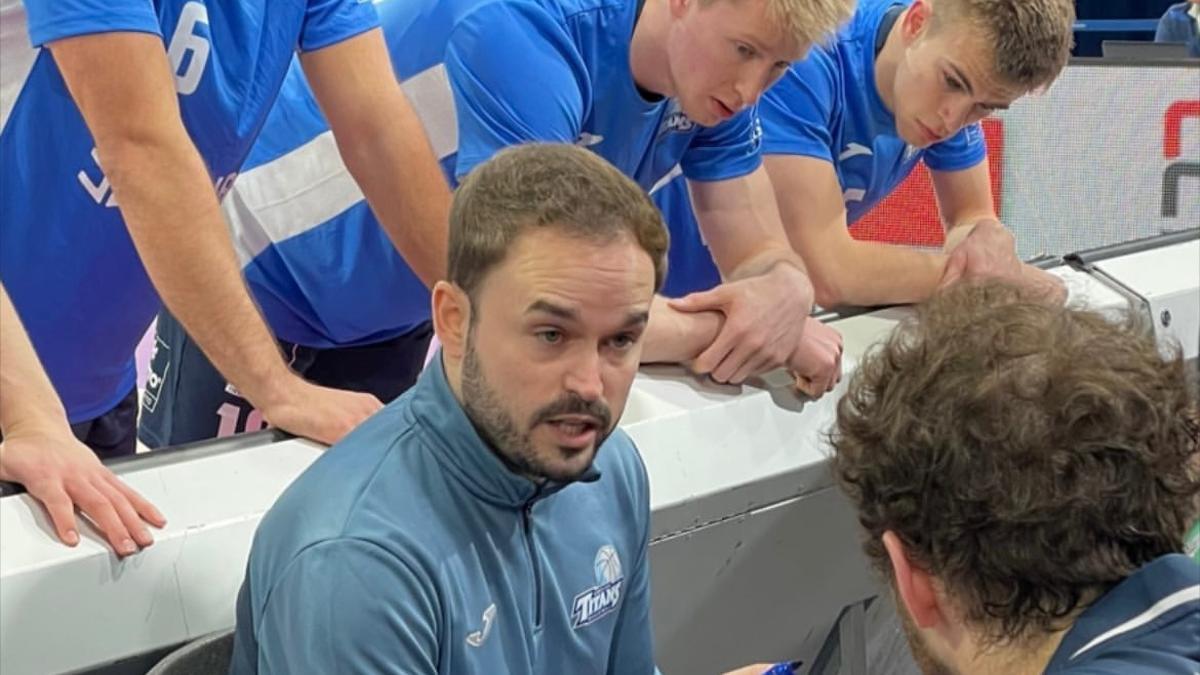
807, 22
1030, 39
810, 22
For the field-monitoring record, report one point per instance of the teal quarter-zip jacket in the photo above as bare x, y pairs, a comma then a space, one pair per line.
411, 548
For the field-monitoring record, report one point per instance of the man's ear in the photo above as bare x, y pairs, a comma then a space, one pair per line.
916, 21
451, 318
913, 584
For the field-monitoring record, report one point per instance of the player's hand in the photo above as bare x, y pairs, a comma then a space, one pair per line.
1044, 285
64, 474
988, 252
323, 414
764, 322
816, 364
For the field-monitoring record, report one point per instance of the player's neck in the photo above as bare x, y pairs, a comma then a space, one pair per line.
648, 52
887, 61
1024, 659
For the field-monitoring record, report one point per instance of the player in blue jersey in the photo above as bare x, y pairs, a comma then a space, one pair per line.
134, 120
646, 86
904, 82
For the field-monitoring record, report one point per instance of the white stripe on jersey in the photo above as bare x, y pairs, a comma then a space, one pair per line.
310, 185
662, 182
1176, 599
16, 55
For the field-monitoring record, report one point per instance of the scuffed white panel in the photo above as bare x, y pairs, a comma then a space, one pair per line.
1167, 278
67, 608
743, 511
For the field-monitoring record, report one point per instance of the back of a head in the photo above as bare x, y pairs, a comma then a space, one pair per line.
547, 185
1030, 39
1028, 456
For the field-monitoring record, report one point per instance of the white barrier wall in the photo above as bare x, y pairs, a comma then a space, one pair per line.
754, 552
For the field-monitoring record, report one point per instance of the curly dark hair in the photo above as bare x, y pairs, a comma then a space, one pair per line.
1028, 456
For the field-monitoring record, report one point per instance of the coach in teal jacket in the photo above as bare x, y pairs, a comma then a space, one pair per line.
491, 520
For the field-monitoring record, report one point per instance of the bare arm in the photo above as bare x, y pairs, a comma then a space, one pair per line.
741, 224
964, 198
844, 271
978, 246
673, 336
40, 452
767, 295
27, 399
124, 88
383, 144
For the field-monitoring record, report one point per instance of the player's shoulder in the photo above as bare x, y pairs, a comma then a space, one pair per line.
573, 8
846, 53
560, 10
860, 32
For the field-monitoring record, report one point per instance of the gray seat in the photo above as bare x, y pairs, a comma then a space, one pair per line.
208, 655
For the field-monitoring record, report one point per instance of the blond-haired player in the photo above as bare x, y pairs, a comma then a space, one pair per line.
905, 81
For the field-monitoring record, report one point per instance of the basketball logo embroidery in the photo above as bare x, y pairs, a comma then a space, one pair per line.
601, 599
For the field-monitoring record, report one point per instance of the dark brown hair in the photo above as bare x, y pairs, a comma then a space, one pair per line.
1028, 456
547, 185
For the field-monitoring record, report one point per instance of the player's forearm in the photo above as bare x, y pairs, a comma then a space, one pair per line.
862, 273
169, 204
960, 229
27, 399
676, 337
392, 162
766, 260
740, 220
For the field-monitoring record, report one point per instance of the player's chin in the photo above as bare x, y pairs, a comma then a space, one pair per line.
565, 464
913, 140
699, 114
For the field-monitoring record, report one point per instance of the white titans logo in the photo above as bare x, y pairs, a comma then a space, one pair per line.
598, 601
676, 120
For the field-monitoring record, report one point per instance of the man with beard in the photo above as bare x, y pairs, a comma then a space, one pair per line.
1026, 500
491, 519
649, 85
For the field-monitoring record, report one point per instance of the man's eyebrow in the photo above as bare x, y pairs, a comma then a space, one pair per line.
636, 319
962, 78
750, 40
547, 307
971, 90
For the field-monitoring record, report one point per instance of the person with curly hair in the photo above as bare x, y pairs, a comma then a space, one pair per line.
1024, 474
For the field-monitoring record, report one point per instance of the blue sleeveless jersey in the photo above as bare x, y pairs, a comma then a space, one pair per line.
66, 257
483, 75
826, 106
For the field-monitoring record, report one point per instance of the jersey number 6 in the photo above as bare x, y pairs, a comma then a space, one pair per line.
186, 41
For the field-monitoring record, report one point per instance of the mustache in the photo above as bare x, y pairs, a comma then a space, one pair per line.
573, 404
